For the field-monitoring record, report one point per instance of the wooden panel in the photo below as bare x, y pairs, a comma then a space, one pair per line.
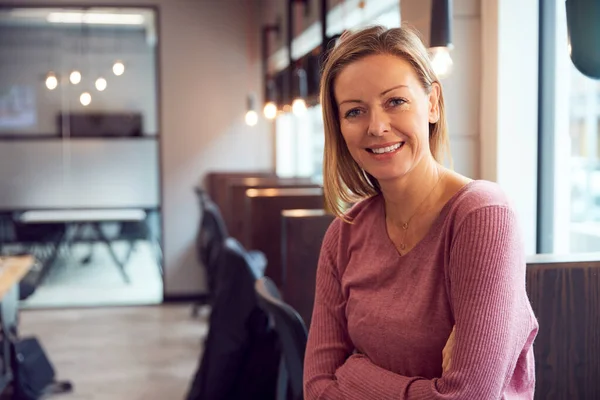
566, 300
302, 236
216, 183
233, 211
263, 227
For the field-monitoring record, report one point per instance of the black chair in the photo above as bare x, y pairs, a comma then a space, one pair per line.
209, 241
292, 335
241, 352
212, 233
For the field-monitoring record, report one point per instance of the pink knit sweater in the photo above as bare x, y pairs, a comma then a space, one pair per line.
380, 321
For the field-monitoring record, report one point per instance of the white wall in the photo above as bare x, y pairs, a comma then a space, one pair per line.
209, 60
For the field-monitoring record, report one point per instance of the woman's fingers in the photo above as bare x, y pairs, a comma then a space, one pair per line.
447, 352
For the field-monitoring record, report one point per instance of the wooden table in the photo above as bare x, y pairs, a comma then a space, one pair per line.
12, 270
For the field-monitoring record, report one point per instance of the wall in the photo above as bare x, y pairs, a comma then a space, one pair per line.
209, 60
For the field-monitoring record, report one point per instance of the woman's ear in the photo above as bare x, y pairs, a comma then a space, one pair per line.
434, 103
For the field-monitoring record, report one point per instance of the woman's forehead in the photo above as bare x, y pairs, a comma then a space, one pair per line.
373, 73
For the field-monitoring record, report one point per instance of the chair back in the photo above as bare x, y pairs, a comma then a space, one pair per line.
241, 353
292, 335
211, 236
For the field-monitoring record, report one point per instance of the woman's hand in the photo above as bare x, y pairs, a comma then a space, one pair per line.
447, 352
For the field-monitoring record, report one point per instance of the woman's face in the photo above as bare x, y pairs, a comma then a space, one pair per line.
385, 115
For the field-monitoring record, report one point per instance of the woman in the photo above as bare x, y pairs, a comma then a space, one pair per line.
425, 253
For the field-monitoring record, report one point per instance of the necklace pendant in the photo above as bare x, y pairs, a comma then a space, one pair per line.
402, 246
405, 226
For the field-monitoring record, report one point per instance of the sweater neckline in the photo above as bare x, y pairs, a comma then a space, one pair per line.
435, 227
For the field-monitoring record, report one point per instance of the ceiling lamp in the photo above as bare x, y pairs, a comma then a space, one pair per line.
85, 99
441, 37
118, 68
299, 104
51, 81
94, 18
251, 115
75, 77
101, 84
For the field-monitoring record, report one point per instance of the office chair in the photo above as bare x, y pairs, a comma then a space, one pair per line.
292, 335
209, 241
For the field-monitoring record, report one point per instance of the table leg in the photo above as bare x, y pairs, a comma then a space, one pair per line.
113, 255
47, 264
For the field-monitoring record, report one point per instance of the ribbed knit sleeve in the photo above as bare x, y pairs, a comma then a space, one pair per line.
328, 342
486, 276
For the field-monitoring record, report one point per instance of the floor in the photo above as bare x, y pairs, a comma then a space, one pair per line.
129, 353
99, 282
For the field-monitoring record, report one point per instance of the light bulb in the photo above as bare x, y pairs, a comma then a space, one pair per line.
75, 77
270, 110
85, 99
101, 84
441, 61
51, 81
118, 68
299, 107
251, 118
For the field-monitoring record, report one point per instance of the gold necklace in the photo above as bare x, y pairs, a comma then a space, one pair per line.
406, 225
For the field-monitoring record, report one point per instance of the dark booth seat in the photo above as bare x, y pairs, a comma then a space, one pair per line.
302, 237
264, 221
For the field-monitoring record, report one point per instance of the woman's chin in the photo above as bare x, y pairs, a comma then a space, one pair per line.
383, 175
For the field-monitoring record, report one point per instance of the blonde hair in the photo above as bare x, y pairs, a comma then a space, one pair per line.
344, 181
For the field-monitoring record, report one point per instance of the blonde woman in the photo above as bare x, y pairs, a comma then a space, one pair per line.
420, 290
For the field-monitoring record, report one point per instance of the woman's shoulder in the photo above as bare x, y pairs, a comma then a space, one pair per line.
477, 195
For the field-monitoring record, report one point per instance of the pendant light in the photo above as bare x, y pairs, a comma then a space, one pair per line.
85, 99
441, 37
251, 115
101, 84
75, 77
299, 103
51, 81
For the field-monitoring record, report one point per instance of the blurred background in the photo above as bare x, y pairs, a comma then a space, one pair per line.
139, 140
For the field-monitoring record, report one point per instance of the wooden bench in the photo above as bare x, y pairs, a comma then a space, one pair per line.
302, 237
234, 205
215, 182
263, 225
565, 295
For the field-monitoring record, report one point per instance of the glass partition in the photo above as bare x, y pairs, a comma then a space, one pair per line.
79, 152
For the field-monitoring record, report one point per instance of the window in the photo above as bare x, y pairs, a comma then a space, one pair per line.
569, 197
299, 139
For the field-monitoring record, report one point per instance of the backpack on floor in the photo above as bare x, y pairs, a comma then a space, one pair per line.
34, 374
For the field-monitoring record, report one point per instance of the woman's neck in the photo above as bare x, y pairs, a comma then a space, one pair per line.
414, 192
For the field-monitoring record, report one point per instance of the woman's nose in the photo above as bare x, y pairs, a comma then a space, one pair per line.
379, 123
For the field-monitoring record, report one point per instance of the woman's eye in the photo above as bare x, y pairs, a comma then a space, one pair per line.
395, 102
355, 112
